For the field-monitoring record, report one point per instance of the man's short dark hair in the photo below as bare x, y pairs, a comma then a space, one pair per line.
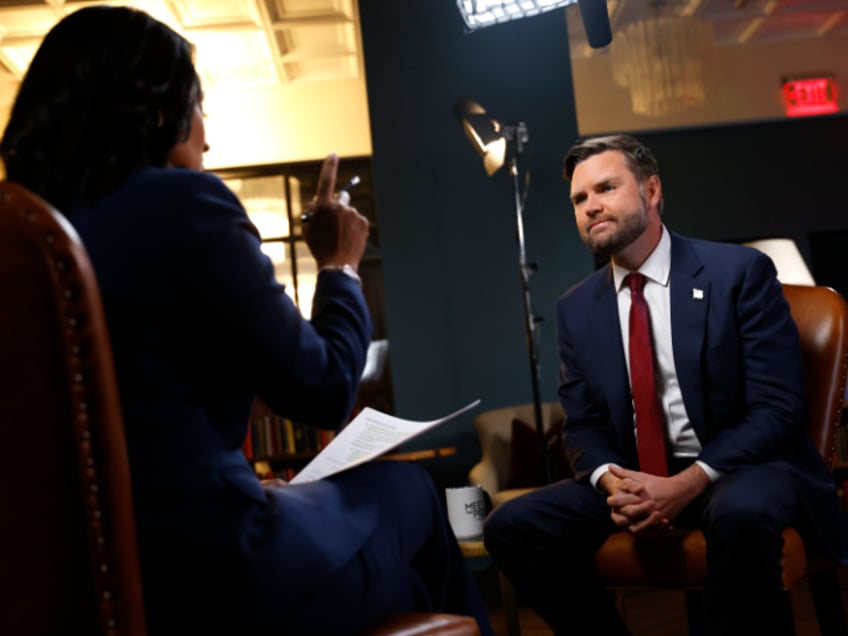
640, 159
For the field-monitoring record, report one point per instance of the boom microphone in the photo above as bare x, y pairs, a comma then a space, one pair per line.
596, 22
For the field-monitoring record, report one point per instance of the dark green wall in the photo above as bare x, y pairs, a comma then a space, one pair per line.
450, 256
453, 296
783, 178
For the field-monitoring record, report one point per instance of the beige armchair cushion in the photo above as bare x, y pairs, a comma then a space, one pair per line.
494, 430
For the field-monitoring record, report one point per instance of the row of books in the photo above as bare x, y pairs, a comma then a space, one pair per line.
842, 443
272, 436
264, 470
841, 459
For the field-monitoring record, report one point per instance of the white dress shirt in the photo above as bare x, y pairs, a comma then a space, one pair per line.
680, 436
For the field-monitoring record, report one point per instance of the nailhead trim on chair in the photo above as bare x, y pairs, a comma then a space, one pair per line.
74, 317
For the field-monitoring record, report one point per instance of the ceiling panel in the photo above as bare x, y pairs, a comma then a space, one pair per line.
196, 14
782, 25
236, 58
239, 41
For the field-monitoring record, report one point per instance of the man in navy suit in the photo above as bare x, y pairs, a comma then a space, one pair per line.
728, 379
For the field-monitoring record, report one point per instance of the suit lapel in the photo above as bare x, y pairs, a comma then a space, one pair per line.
609, 349
690, 302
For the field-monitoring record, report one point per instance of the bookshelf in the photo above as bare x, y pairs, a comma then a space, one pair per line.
840, 457
278, 446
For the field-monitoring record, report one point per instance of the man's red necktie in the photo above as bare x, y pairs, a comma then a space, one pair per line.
650, 434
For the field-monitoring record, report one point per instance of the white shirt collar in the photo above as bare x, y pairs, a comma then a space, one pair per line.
657, 266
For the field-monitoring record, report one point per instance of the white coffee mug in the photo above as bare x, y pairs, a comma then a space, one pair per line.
466, 511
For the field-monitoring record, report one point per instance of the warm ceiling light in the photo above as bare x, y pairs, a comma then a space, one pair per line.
17, 53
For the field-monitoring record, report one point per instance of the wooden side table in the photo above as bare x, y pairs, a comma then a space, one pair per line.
473, 549
418, 455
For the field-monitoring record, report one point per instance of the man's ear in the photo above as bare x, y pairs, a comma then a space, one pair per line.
653, 190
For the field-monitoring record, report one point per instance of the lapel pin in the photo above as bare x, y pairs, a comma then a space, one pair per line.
697, 294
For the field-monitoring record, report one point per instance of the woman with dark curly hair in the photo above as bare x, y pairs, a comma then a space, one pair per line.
108, 127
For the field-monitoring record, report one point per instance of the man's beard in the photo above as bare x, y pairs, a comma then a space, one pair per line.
629, 229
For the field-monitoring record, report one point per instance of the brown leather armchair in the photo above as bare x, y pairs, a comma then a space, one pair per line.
623, 562
68, 554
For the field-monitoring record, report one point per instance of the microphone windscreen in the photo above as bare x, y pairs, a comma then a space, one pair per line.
596, 22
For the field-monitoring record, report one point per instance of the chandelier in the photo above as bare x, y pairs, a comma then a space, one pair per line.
661, 61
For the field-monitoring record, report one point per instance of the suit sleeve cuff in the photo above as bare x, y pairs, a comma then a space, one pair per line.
345, 269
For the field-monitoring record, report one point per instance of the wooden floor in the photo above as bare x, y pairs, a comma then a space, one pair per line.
639, 608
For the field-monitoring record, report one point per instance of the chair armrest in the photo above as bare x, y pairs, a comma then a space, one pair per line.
424, 624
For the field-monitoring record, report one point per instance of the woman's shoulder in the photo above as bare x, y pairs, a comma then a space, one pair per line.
169, 182
177, 198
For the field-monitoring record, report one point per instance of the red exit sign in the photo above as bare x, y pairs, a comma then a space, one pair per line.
809, 96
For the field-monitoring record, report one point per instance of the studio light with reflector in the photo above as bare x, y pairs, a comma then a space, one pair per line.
502, 144
483, 13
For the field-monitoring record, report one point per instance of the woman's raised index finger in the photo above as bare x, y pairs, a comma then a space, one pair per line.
327, 179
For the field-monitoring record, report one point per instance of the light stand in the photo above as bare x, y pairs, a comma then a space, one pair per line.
498, 144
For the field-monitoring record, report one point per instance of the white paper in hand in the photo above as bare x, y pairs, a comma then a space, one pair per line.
368, 435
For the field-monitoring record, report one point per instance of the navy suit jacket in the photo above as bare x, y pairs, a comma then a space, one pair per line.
738, 361
199, 327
